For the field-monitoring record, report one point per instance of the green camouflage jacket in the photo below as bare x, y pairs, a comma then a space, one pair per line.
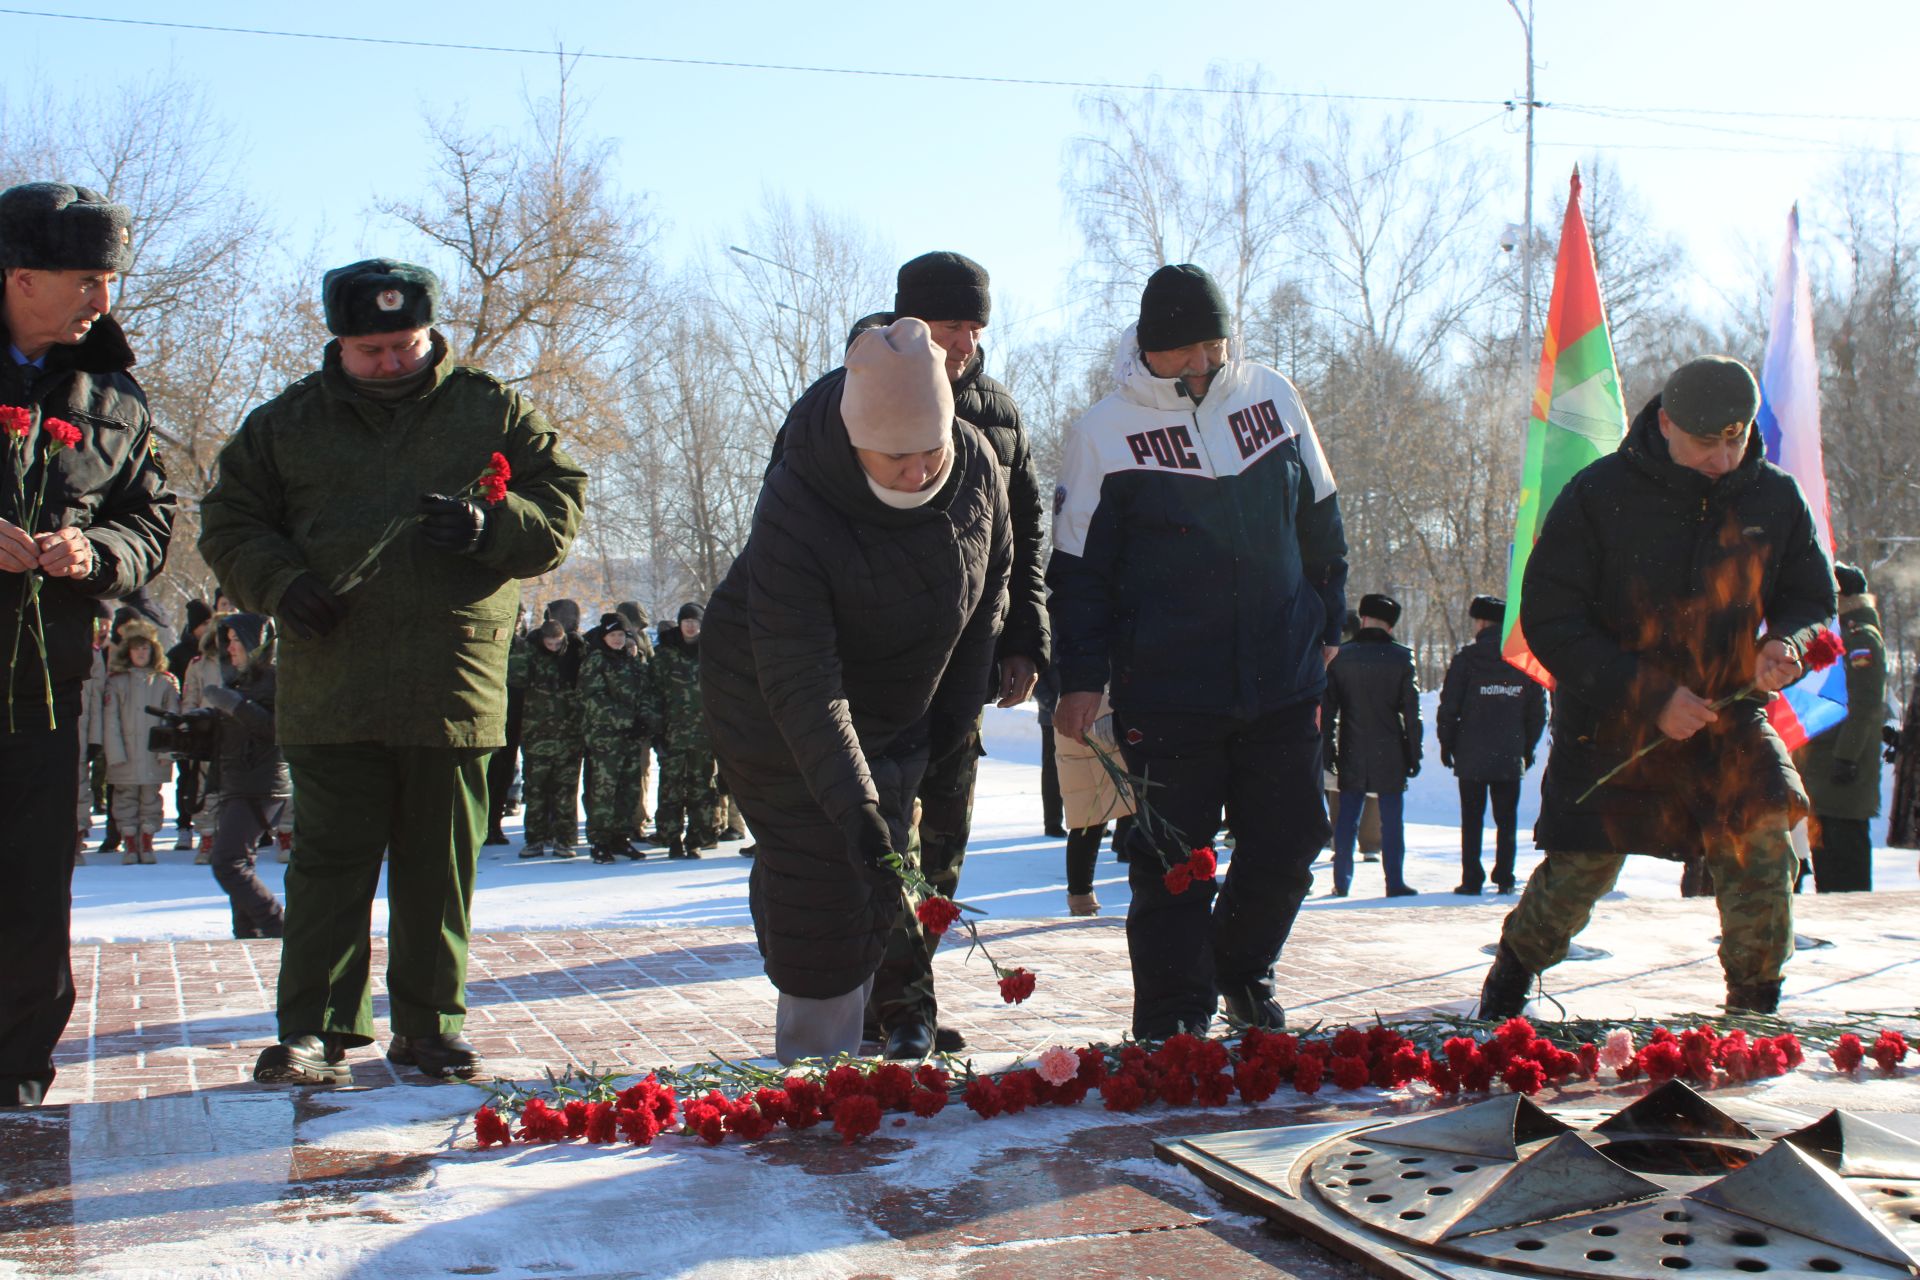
307, 484
616, 698
676, 691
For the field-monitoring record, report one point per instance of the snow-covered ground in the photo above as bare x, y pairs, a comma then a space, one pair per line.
1012, 871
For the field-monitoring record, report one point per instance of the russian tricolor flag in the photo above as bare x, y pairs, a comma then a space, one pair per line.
1789, 424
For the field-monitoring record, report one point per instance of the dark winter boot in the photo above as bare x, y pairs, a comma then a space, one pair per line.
495, 835
631, 851
1504, 994
1753, 997
675, 849
1250, 1009
439, 1056
909, 1042
308, 1059
601, 854
112, 838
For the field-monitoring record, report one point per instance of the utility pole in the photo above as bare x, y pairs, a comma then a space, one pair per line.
1526, 223
800, 322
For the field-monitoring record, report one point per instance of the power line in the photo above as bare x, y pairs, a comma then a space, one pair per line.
723, 64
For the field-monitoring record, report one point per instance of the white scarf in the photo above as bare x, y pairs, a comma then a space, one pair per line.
920, 497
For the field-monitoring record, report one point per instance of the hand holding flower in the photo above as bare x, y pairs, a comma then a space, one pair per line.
1775, 668
18, 551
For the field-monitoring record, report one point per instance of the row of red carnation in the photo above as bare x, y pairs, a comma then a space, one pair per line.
1183, 1071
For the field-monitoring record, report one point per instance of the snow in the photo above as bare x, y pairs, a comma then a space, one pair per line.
1012, 870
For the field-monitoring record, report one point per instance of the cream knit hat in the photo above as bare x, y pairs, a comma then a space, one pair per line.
897, 398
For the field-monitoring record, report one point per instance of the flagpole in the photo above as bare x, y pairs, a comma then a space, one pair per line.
1526, 224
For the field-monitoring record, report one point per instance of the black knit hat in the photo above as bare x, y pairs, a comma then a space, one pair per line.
1712, 396
1182, 305
1487, 609
51, 226
942, 286
1383, 607
198, 611
872, 320
691, 610
379, 295
1850, 577
612, 622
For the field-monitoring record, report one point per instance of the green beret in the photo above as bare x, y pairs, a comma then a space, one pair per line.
380, 295
52, 226
1711, 396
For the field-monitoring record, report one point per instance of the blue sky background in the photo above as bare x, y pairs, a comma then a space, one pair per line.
323, 128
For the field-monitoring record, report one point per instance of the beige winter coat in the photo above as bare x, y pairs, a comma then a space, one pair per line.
204, 670
1088, 794
125, 720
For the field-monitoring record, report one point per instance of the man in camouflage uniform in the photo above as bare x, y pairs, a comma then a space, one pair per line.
392, 692
552, 744
1841, 767
640, 633
1654, 573
616, 707
687, 794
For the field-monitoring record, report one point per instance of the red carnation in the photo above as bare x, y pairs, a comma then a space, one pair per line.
1350, 1072
1441, 1077
603, 1123
1180, 879
1825, 650
1459, 1050
1093, 1067
937, 914
1306, 1073
1662, 1060
65, 434
707, 1117
1847, 1052
1019, 1090
854, 1117
576, 1113
928, 1076
1016, 986
1349, 1042
541, 1123
891, 1085
1888, 1050
928, 1102
749, 1122
1124, 1091
638, 1124
1768, 1058
844, 1081
488, 1127
1215, 1089
1589, 1060
1203, 863
1408, 1063
1523, 1076
1176, 1088
804, 1099
15, 421
1516, 1035
982, 1097
493, 481
1210, 1056
1256, 1081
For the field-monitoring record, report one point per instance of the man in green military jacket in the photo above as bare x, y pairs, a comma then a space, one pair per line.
392, 691
1841, 767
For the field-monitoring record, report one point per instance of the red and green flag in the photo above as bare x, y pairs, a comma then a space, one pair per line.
1577, 413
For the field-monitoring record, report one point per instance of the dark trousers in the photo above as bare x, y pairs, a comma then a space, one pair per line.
186, 791
903, 987
1473, 812
241, 821
39, 789
502, 763
1052, 814
1186, 948
1393, 837
1083, 851
425, 807
1842, 854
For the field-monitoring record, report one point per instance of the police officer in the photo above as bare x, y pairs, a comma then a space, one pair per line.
1654, 573
1841, 767
1491, 717
102, 531
1376, 735
392, 695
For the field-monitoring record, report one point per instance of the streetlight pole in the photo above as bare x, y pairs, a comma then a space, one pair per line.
800, 343
1526, 224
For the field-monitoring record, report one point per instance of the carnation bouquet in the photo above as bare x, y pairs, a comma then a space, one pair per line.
16, 424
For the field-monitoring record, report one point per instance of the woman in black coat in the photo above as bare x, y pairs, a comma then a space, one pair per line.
854, 632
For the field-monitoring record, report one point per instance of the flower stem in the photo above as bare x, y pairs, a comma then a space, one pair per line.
1606, 777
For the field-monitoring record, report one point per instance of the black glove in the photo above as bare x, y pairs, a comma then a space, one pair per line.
309, 609
1890, 736
452, 524
1413, 770
1845, 772
869, 841
1446, 758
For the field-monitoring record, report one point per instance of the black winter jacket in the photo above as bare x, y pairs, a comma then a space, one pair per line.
986, 405
246, 762
844, 635
1648, 576
111, 485
1375, 731
1491, 713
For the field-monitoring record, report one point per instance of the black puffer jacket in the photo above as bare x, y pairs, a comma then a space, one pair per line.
1648, 576
846, 633
1375, 731
1491, 713
985, 404
110, 485
247, 763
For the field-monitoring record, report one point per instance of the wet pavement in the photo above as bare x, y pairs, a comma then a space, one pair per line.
159, 1156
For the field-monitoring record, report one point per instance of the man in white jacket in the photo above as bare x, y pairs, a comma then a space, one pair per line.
1199, 574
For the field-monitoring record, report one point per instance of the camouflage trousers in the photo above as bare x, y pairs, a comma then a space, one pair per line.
687, 795
903, 988
613, 789
550, 789
1752, 885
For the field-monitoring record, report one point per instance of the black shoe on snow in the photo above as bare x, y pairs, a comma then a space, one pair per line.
307, 1059
676, 850
1467, 890
1249, 1010
749, 850
909, 1042
602, 855
1504, 994
1753, 997
947, 1040
631, 851
733, 833
439, 1056
495, 836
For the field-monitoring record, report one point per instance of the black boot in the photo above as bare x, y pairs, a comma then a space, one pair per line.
1753, 997
677, 849
947, 1040
1250, 1009
631, 850
1504, 994
438, 1056
602, 854
909, 1042
305, 1059
495, 835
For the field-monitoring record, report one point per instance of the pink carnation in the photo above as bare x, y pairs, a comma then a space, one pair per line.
1618, 1050
1058, 1065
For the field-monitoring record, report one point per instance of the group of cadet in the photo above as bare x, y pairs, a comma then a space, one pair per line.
1192, 607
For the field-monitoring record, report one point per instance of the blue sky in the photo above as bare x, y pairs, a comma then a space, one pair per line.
324, 128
